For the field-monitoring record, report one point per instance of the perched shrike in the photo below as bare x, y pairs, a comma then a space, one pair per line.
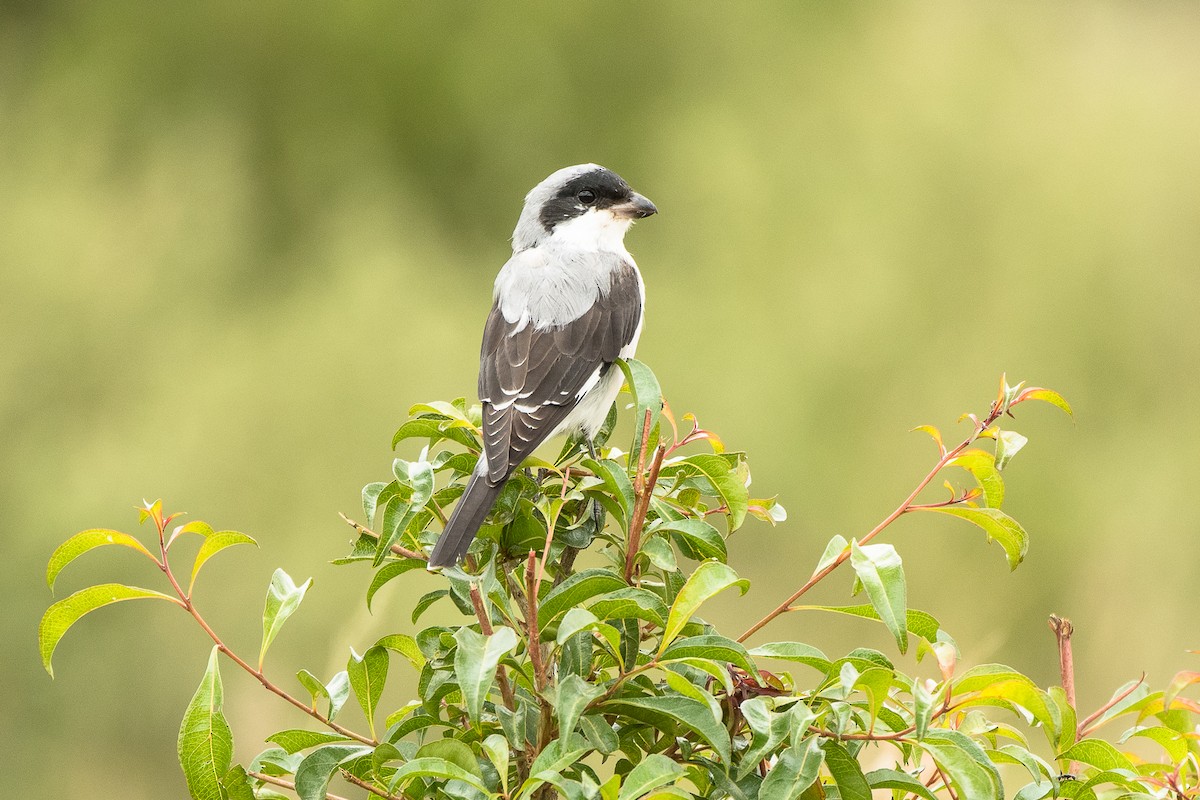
565, 306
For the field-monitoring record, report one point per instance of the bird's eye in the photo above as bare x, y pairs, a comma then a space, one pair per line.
586, 196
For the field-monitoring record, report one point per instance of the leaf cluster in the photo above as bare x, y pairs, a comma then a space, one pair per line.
582, 666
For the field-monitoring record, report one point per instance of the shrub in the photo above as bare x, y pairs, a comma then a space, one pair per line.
601, 681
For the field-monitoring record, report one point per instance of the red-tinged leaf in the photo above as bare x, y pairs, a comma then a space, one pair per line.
935, 433
87, 540
1047, 396
1181, 681
984, 467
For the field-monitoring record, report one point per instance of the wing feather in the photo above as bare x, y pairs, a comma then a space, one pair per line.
530, 378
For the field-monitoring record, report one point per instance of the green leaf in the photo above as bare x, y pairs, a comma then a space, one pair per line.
337, 691
283, 598
795, 771
879, 568
922, 708
454, 751
1067, 722
236, 784
557, 756
960, 758
436, 768
630, 603
1173, 742
730, 485
406, 646
846, 772
695, 538
205, 742
798, 652
214, 544
393, 569
985, 468
575, 591
616, 482
660, 554
996, 524
417, 478
711, 646
650, 773
368, 674
833, 551
87, 540
1097, 753
429, 598
295, 740
709, 579
648, 397
768, 730
599, 733
894, 779
919, 623
66, 612
435, 432
669, 710
475, 663
314, 772
574, 694
1007, 445
497, 750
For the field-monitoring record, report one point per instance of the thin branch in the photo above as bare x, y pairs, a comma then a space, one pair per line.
945, 782
370, 787
485, 625
397, 549
946, 458
188, 606
898, 736
643, 488
1063, 630
1085, 727
286, 784
531, 622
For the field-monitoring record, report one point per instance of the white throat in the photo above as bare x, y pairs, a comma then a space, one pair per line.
595, 229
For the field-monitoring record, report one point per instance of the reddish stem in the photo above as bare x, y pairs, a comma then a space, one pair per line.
946, 458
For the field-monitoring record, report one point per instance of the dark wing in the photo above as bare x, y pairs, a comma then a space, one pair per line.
529, 379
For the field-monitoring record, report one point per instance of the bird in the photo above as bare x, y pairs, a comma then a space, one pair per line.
565, 306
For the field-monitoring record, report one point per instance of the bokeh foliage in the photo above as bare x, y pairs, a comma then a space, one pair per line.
220, 225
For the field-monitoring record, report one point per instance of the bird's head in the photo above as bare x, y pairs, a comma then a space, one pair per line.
586, 207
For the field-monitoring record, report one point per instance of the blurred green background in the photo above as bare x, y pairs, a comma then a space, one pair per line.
238, 240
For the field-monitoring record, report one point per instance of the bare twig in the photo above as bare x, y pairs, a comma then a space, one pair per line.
397, 549
1063, 629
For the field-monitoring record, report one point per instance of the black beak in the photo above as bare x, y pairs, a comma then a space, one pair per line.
637, 207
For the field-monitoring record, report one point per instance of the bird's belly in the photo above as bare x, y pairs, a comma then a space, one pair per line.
593, 407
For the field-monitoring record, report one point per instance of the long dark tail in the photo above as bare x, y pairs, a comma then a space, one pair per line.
472, 509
